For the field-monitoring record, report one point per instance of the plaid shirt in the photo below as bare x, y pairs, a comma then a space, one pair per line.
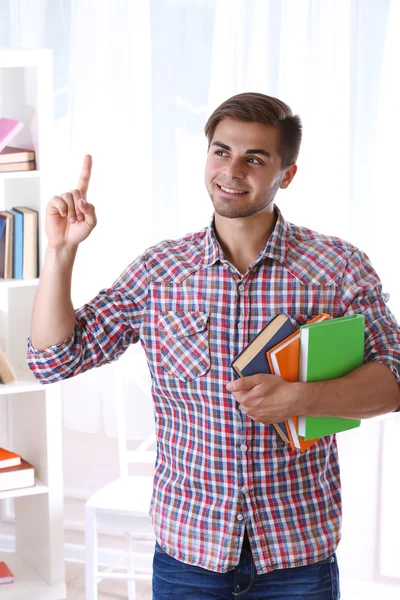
217, 471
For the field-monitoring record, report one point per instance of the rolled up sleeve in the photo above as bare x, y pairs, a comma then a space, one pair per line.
104, 328
362, 293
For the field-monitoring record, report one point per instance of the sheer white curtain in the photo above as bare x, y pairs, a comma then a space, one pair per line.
110, 117
383, 226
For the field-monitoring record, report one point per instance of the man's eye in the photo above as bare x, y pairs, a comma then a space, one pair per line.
220, 152
254, 161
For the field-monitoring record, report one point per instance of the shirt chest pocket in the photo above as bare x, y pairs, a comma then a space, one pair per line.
185, 350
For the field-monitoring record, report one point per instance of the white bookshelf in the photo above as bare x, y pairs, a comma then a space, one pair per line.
19, 174
30, 413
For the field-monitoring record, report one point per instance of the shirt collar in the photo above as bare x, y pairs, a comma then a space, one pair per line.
276, 246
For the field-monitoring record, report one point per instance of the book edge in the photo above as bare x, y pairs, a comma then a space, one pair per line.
257, 343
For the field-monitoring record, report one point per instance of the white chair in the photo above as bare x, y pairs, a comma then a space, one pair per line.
122, 505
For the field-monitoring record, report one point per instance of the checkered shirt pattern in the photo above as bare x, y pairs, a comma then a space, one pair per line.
217, 471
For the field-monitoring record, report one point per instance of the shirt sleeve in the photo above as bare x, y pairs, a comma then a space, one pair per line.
104, 328
362, 293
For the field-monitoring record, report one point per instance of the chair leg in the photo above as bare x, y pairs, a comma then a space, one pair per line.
130, 567
91, 567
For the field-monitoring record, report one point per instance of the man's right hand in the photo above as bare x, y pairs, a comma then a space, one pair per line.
69, 217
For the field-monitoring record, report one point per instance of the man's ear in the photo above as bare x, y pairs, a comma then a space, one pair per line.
288, 176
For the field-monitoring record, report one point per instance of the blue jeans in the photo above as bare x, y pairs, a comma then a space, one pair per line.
176, 580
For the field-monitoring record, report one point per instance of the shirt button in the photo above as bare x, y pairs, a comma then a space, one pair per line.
245, 489
243, 447
240, 325
241, 288
240, 517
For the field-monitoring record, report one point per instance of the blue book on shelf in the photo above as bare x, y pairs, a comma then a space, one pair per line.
18, 256
2, 245
2, 227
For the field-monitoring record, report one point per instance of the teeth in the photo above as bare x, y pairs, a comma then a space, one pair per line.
229, 191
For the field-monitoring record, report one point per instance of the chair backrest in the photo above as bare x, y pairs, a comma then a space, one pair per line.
131, 378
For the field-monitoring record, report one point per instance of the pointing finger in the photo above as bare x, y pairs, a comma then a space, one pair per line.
84, 178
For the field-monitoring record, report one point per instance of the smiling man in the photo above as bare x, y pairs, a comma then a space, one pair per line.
236, 512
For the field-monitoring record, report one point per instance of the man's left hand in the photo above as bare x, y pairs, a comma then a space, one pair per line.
267, 398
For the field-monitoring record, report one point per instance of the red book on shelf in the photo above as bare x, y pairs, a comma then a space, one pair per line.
8, 130
6, 576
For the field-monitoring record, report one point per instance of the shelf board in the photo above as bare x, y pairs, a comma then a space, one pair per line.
39, 488
14, 283
21, 386
28, 585
19, 174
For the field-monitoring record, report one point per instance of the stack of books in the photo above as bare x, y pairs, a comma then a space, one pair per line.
18, 226
322, 349
15, 472
19, 243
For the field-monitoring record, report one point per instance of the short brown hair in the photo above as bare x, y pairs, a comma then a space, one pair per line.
260, 108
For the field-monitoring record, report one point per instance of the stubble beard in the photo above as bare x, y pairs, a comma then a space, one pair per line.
226, 208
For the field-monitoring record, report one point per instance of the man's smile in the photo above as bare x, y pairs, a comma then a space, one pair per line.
229, 190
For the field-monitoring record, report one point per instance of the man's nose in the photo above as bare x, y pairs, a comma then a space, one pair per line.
234, 169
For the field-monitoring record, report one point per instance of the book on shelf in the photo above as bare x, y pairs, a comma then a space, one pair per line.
283, 360
9, 459
7, 375
3, 233
253, 360
17, 166
8, 130
6, 575
328, 350
18, 249
30, 260
6, 244
10, 154
15, 478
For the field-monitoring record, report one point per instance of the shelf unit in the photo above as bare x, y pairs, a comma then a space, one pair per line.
30, 413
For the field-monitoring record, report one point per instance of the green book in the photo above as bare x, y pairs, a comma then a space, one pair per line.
328, 350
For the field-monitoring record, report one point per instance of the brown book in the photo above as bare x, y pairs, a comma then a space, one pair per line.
30, 254
18, 166
9, 154
7, 245
14, 478
7, 375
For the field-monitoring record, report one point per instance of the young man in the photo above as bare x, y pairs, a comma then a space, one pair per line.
236, 512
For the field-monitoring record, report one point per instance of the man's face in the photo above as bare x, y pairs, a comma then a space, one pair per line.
243, 170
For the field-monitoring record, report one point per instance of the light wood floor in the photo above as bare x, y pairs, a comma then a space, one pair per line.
108, 590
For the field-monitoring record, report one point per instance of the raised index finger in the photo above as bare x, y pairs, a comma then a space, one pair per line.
84, 178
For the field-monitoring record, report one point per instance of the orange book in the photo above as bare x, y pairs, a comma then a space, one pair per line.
283, 360
295, 440
9, 459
